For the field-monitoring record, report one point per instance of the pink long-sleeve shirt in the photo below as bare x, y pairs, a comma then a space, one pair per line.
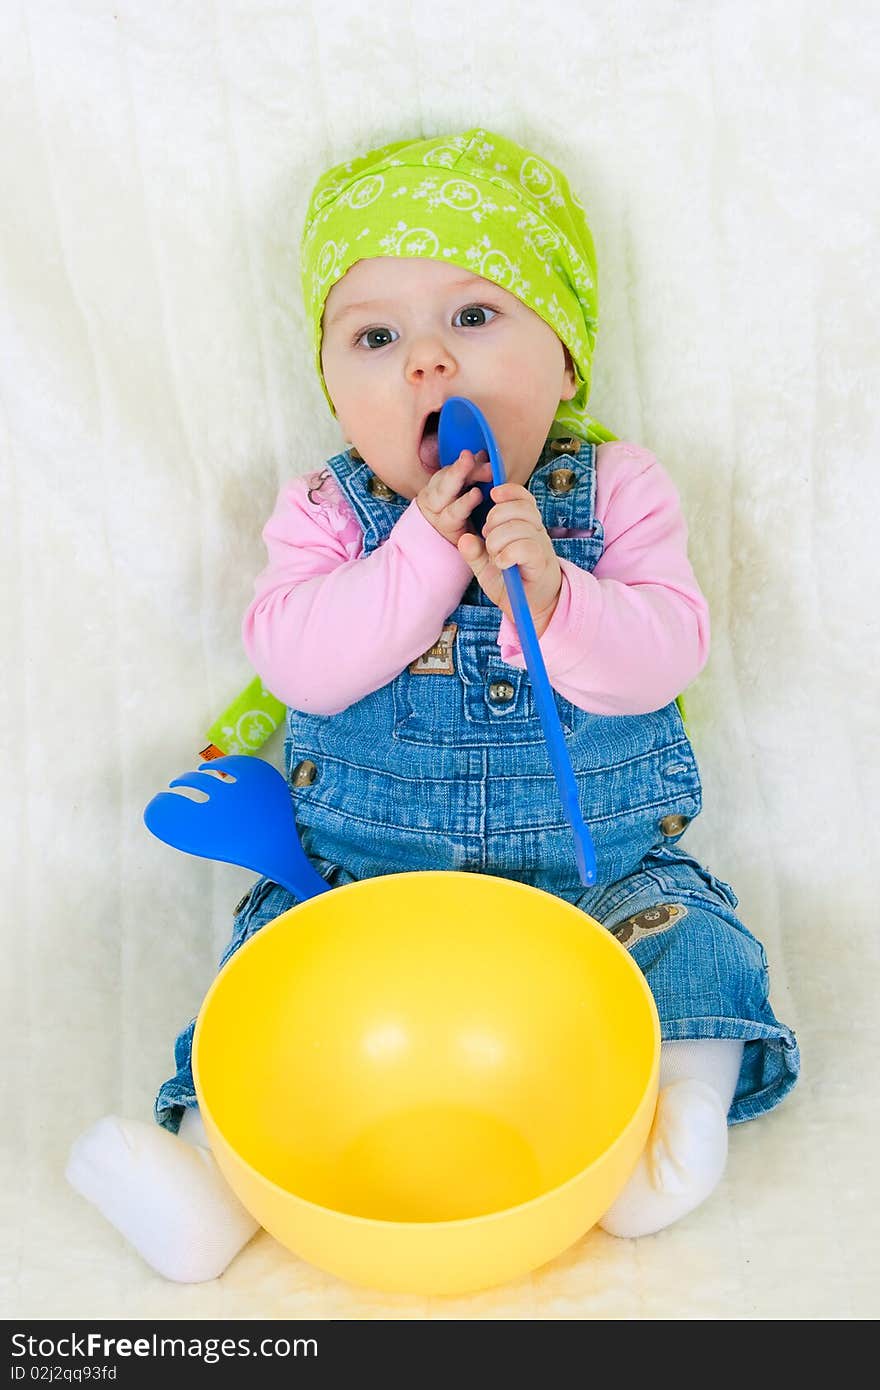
328, 625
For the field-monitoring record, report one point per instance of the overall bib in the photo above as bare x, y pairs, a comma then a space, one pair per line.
446, 767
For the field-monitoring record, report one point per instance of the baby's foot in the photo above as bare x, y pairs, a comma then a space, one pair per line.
682, 1163
167, 1197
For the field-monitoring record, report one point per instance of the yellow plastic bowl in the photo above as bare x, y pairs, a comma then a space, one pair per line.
428, 1082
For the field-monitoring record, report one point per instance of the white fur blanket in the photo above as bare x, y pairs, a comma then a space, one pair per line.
155, 388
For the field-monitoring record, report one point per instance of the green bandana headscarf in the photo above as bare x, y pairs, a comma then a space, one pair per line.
475, 200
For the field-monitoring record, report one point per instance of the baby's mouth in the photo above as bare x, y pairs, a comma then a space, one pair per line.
429, 447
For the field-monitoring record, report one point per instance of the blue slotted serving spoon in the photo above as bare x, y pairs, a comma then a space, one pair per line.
464, 426
248, 821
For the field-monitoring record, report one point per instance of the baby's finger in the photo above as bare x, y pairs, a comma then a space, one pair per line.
513, 544
470, 456
504, 512
480, 470
460, 508
471, 548
516, 552
513, 492
513, 528
487, 574
447, 483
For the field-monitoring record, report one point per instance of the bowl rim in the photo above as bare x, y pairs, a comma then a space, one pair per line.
379, 1223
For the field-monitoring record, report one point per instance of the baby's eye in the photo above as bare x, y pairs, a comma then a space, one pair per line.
475, 309
373, 332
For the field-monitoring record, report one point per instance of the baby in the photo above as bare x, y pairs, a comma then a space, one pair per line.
464, 266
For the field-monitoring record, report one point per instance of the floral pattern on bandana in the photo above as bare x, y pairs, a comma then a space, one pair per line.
477, 200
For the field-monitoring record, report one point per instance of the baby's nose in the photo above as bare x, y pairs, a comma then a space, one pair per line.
430, 356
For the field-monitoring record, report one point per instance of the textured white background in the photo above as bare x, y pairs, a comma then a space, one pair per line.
156, 387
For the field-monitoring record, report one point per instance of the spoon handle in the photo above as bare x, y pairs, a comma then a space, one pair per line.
464, 426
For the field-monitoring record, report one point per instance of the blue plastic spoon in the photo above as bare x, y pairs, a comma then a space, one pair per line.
464, 426
247, 821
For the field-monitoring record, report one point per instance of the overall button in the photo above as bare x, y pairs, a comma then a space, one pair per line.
674, 825
501, 692
304, 773
561, 481
381, 490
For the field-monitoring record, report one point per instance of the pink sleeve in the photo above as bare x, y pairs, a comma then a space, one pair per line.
630, 636
327, 624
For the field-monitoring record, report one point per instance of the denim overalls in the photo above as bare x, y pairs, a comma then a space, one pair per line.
446, 767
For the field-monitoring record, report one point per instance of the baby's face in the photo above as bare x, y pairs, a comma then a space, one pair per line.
402, 335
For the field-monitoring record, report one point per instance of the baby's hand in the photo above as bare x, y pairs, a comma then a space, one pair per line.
442, 501
515, 535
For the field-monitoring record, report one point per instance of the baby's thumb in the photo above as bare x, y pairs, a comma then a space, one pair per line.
470, 548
